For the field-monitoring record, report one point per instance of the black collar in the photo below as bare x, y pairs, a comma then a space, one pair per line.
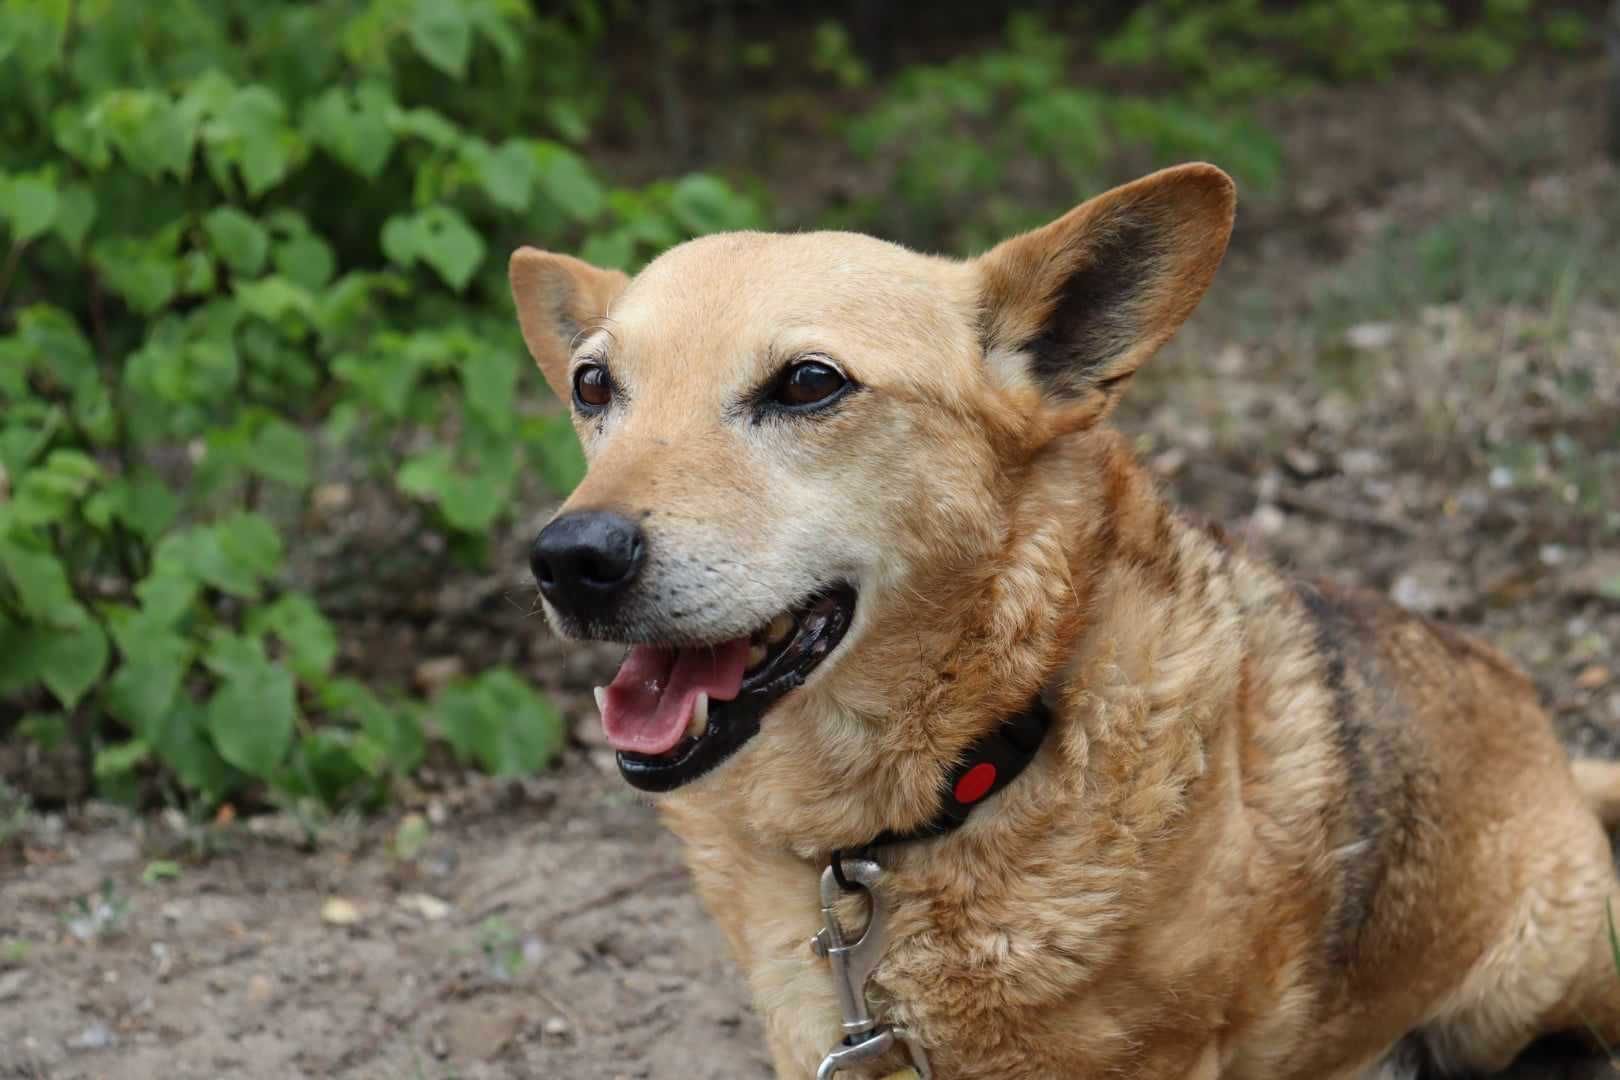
987, 766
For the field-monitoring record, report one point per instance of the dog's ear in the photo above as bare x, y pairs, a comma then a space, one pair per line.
1076, 306
557, 296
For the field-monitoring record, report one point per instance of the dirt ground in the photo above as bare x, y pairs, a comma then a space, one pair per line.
1380, 389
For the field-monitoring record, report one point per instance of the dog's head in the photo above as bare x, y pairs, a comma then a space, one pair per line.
799, 442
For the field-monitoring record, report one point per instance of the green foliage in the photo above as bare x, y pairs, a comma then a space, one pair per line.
963, 134
252, 248
500, 724
1231, 49
242, 243
1509, 252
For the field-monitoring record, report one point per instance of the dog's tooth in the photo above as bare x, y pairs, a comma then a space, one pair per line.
700, 714
756, 654
601, 699
780, 628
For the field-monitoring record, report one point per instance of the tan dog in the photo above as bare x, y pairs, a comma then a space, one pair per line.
855, 506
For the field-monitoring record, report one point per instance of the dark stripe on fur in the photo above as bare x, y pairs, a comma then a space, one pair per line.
1365, 715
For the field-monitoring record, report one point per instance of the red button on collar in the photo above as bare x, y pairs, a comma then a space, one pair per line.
975, 783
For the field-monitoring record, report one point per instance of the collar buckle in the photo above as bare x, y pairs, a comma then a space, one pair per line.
852, 965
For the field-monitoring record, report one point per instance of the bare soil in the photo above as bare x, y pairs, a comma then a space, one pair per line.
1461, 451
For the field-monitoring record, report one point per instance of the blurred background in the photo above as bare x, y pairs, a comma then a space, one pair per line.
293, 778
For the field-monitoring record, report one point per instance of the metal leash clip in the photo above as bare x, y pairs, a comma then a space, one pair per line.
865, 1040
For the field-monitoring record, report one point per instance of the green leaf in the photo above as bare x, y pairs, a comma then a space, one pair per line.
704, 204
353, 126
70, 661
560, 460
41, 582
490, 378
18, 667
160, 870
48, 492
49, 730
143, 690
281, 453
425, 124
196, 274
249, 550
426, 474
29, 203
507, 174
150, 131
142, 272
567, 119
120, 759
498, 722
326, 765
239, 241
567, 181
401, 240
306, 260
75, 211
201, 372
450, 245
296, 620
394, 727
251, 132
273, 297
170, 590
438, 236
442, 33
233, 556
495, 25
147, 506
252, 715
180, 737
79, 139
614, 249
385, 379
470, 501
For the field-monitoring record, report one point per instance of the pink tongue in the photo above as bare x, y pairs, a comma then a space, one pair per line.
649, 703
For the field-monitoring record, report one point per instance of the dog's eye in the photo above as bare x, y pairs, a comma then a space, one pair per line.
593, 387
808, 383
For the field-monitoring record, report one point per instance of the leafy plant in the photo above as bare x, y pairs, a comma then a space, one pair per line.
91, 918
502, 948
1234, 49
966, 135
246, 245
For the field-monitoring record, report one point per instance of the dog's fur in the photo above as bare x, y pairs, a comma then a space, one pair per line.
1278, 830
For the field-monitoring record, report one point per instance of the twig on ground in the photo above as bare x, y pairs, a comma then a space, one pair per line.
1295, 499
614, 895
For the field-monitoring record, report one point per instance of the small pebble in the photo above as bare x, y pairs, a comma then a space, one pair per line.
94, 1037
340, 912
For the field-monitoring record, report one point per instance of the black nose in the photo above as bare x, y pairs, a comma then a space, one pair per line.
587, 558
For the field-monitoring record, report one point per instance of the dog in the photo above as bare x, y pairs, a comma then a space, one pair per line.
856, 509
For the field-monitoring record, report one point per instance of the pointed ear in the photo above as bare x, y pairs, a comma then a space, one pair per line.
1076, 306
557, 296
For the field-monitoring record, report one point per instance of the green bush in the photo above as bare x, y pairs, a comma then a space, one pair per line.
246, 245
996, 142
1235, 49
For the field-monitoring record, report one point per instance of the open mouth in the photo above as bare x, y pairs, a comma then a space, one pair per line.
674, 713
